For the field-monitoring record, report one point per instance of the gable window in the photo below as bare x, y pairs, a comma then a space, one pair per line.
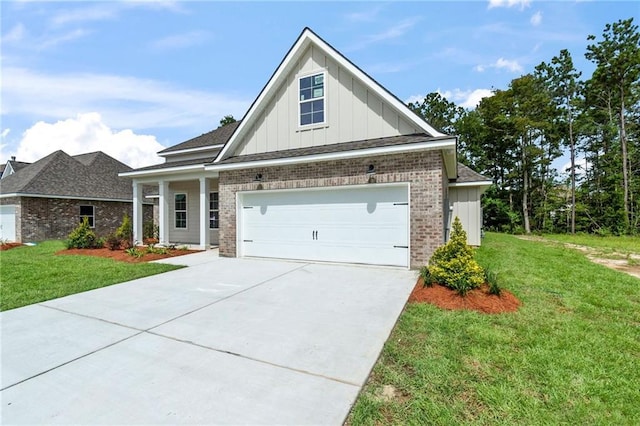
312, 99
180, 204
214, 211
90, 213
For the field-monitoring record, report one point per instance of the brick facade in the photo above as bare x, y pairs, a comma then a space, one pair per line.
423, 170
39, 219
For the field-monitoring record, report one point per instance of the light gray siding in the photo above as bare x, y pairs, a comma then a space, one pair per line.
190, 235
466, 206
352, 112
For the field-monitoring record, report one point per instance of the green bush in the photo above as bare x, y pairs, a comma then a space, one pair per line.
150, 230
113, 242
453, 265
82, 236
426, 276
491, 278
125, 230
135, 252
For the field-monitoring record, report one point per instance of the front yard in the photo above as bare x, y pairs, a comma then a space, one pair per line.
35, 274
569, 355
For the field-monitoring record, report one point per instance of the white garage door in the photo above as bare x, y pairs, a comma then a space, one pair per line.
357, 224
8, 223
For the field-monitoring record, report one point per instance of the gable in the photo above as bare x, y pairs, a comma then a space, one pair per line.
353, 111
356, 107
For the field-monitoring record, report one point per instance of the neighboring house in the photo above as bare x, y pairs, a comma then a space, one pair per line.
326, 165
47, 199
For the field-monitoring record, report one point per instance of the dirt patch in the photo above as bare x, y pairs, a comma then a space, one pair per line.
627, 263
476, 300
122, 256
8, 246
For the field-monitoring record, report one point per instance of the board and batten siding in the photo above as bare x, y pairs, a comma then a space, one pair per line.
190, 235
352, 112
466, 206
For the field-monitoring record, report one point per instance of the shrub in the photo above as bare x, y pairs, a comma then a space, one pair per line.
150, 230
112, 242
135, 252
453, 265
82, 236
152, 249
491, 278
426, 276
125, 230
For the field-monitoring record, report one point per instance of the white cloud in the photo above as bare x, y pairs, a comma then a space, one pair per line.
511, 65
394, 32
581, 167
178, 41
501, 63
124, 102
509, 3
368, 15
466, 98
95, 12
4, 133
536, 19
63, 38
109, 10
87, 133
463, 98
15, 34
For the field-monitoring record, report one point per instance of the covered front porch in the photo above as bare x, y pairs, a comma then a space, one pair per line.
187, 210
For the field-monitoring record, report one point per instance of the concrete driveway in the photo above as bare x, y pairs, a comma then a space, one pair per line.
242, 341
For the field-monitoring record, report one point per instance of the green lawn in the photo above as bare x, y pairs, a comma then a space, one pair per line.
623, 245
570, 355
35, 274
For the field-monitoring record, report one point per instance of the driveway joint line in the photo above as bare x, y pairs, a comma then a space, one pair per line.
227, 297
92, 317
284, 367
73, 360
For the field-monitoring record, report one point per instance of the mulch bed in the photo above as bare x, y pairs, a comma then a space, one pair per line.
122, 256
7, 246
477, 300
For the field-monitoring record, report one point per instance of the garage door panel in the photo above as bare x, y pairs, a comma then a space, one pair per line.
355, 225
8, 223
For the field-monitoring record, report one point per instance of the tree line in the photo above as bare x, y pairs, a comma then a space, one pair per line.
514, 136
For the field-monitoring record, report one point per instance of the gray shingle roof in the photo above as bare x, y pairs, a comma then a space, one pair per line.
467, 175
93, 175
218, 136
183, 163
334, 148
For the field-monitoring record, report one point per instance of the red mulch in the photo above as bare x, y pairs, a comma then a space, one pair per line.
124, 257
7, 246
477, 300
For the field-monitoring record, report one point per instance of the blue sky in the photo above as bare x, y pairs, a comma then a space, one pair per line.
130, 78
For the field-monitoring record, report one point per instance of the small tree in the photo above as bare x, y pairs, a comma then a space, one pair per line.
82, 236
125, 232
453, 265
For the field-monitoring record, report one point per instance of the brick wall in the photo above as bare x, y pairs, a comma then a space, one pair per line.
41, 219
423, 170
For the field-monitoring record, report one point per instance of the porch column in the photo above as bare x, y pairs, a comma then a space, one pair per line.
204, 214
137, 212
163, 211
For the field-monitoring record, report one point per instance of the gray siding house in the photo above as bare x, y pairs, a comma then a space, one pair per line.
48, 198
326, 165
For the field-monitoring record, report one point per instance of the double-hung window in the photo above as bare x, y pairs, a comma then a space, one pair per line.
312, 97
90, 213
180, 207
214, 211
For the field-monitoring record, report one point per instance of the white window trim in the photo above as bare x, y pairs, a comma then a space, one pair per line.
214, 210
186, 210
324, 98
93, 214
